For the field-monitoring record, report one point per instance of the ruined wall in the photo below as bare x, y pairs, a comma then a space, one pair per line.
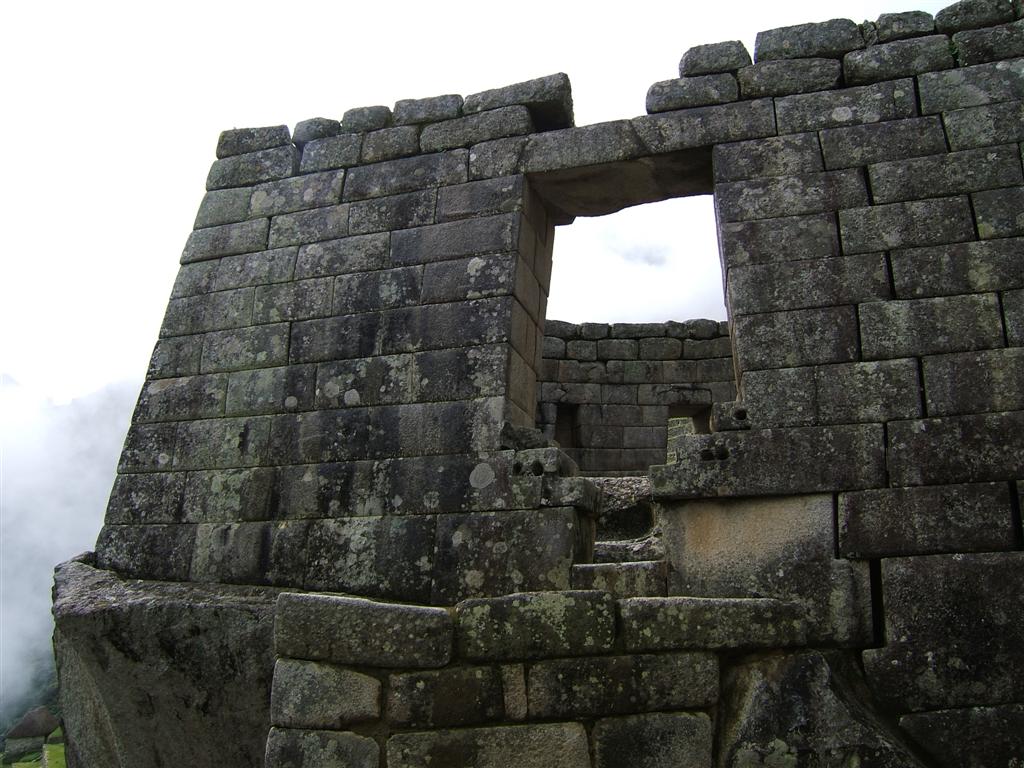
332, 457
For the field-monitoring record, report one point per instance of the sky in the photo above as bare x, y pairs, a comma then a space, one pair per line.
113, 113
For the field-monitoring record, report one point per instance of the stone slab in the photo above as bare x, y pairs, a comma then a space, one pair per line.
659, 740
786, 77
238, 141
314, 695
876, 142
711, 58
706, 126
985, 125
901, 58
551, 745
693, 91
976, 267
984, 45
638, 579
791, 238
253, 167
849, 106
793, 155
971, 14
826, 39
947, 174
790, 195
548, 98
971, 86
796, 338
974, 382
446, 698
906, 225
892, 329
226, 240
474, 128
290, 748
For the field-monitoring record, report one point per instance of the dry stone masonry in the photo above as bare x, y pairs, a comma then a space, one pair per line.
376, 510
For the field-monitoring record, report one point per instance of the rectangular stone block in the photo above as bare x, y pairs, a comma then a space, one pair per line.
264, 553
497, 123
209, 312
472, 278
223, 206
645, 578
178, 356
901, 58
331, 152
457, 696
703, 349
710, 58
1013, 317
973, 382
850, 106
228, 495
680, 739
270, 390
926, 326
156, 552
897, 26
146, 499
548, 98
947, 174
791, 238
876, 142
834, 394
500, 157
796, 338
552, 745
310, 191
786, 77
436, 326
979, 46
971, 86
693, 91
190, 397
262, 267
480, 198
238, 141
194, 279
297, 300
309, 226
413, 209
988, 265
428, 110
826, 39
777, 156
291, 748
905, 225
253, 167
985, 126
226, 240
802, 284
334, 338
377, 634
222, 443
957, 449
390, 144
614, 685
311, 694
706, 126
487, 234
350, 254
999, 212
582, 146
790, 195
895, 522
262, 346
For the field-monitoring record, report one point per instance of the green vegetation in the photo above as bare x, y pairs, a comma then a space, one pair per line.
54, 758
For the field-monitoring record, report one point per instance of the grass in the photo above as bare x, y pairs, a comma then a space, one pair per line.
54, 758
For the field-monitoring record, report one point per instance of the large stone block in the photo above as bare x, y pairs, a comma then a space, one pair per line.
971, 14
1000, 212
984, 45
223, 206
894, 522
311, 694
239, 141
659, 740
351, 630
973, 382
790, 195
947, 174
535, 625
488, 234
310, 226
480, 198
850, 106
501, 157
826, 39
314, 128
412, 209
586, 145
297, 300
222, 443
191, 397
712, 58
226, 240
791, 238
492, 124
897, 26
986, 125
209, 312
971, 86
408, 175
331, 152
471, 278
390, 143
456, 696
906, 225
157, 552
456, 324
148, 448
253, 167
552, 745
262, 267
694, 91
890, 329
638, 579
350, 254
974, 737
272, 553
706, 126
228, 495
429, 110
548, 98
954, 632
290, 748
796, 338
1013, 317
146, 498
309, 191
786, 77
897, 140
976, 267
333, 338
777, 156
902, 58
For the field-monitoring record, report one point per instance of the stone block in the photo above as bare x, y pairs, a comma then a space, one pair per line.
270, 390
177, 356
638, 579
223, 206
660, 349
802, 284
194, 279
429, 110
271, 553
253, 167
895, 522
535, 625
713, 623
331, 152
956, 449
412, 209
618, 685
712, 58
472, 278
226, 240
288, 748
311, 694
554, 348
705, 126
971, 86
160, 552
261, 346
826, 39
946, 174
488, 234
1000, 212
1013, 314
897, 26
148, 448
834, 394
796, 338
480, 198
390, 144
982, 266
957, 646
360, 253
407, 175
901, 58
210, 312
335, 338
791, 238
363, 119
906, 225
586, 145
972, 14
435, 326
579, 349
310, 226
850, 106
985, 125
550, 745
786, 77
497, 553
864, 144
228, 495
892, 329
288, 195
657, 740
222, 443
262, 267
692, 91
190, 397
984, 45
790, 195
973, 382
500, 157
457, 696
617, 349
778, 156
975, 736
472, 129
298, 300
239, 141
313, 129
376, 634
148, 498
549, 100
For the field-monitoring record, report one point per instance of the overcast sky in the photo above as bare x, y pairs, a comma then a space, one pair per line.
113, 112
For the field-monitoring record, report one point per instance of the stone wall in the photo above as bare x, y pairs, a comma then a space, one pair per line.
333, 458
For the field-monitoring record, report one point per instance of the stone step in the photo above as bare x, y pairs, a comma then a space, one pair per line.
644, 578
630, 550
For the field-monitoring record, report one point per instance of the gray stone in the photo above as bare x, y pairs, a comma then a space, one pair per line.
788, 76
382, 214
1013, 313
1000, 212
971, 14
777, 156
222, 443
374, 634
553, 745
191, 397
986, 125
637, 579
331, 152
714, 57
958, 646
864, 144
311, 694
223, 206
488, 234
226, 240
946, 174
261, 267
390, 143
313, 129
660, 740
475, 128
270, 390
374, 291
694, 91
309, 226
480, 198
795, 338
616, 349
429, 110
791, 238
906, 225
362, 119
271, 553
310, 191
988, 265
971, 86
500, 157
254, 167
262, 346
921, 326
698, 349
705, 126
790, 195
228, 495
894, 522
901, 58
660, 349
969, 738
850, 106
288, 748
149, 498
350, 254
575, 147
297, 300
175, 357
436, 326
549, 100
148, 448
456, 696
826, 39
239, 141
210, 312
897, 26
158, 552
974, 382
535, 625
614, 685
407, 175
985, 45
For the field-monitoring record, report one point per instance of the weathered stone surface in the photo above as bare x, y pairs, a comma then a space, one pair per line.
790, 238
222, 443
553, 745
790, 195
428, 110
175, 357
211, 312
475, 128
660, 740
705, 126
974, 382
897, 26
902, 58
1000, 212
713, 58
957, 646
488, 234
161, 552
226, 495
849, 106
638, 579
985, 45
535, 625
191, 397
148, 498
976, 267
549, 100
262, 267
288, 748
226, 240
804, 706
412, 209
148, 448
827, 39
864, 144
406, 175
313, 129
240, 141
487, 197
967, 171
893, 522
253, 167
796, 338
297, 300
613, 685
362, 119
971, 86
906, 225
311, 694
359, 253
777, 156
223, 206
446, 698
971, 14
390, 143
309, 191
262, 346
131, 652
1013, 313
575, 147
309, 226
694, 91
713, 623
351, 630
786, 77
892, 329
500, 157
331, 152
957, 449
974, 737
